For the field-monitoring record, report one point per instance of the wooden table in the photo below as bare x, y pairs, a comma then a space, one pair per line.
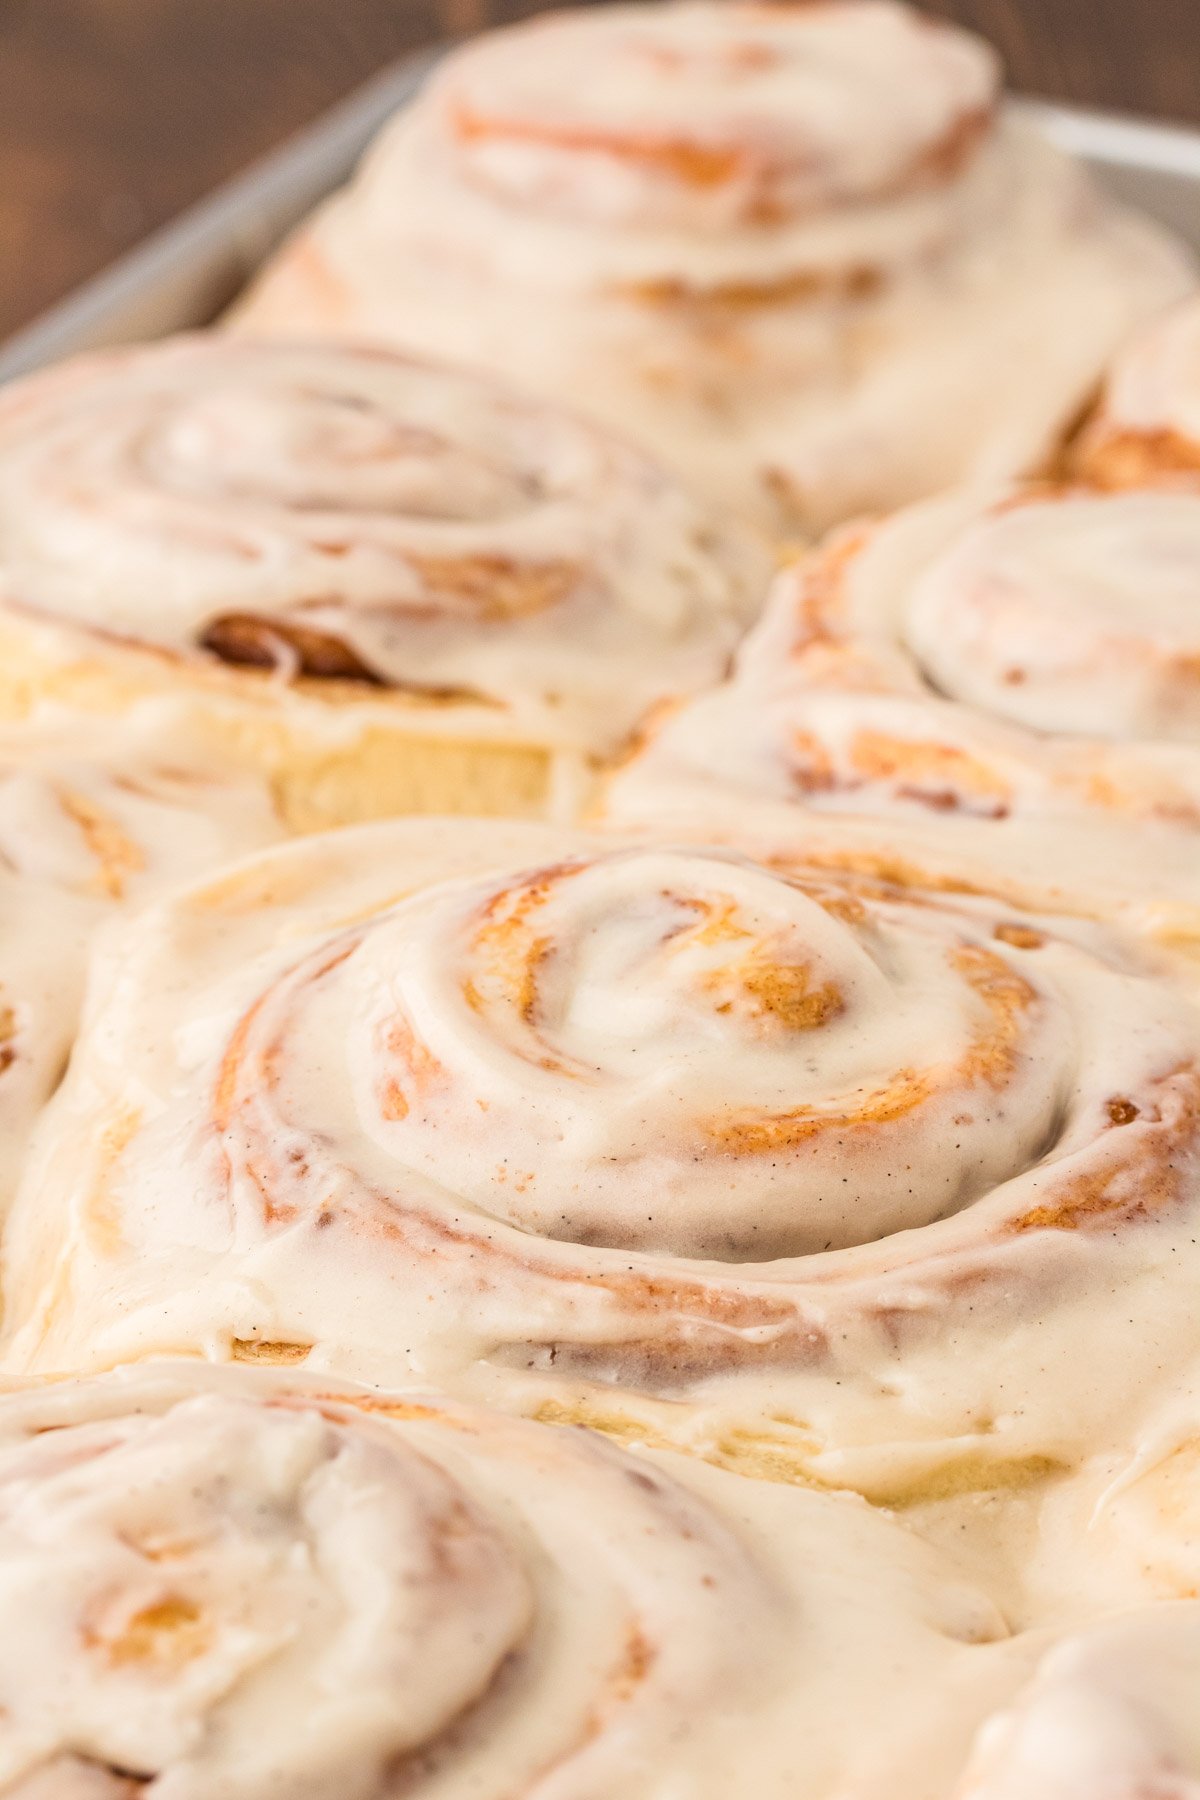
114, 114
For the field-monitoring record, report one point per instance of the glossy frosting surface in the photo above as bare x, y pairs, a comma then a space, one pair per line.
800, 251
996, 690
822, 1127
94, 823
336, 513
246, 1583
529, 1113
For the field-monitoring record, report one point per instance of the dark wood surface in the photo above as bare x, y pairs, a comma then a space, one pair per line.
114, 114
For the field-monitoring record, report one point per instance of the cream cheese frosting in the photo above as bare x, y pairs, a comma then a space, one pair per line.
1109, 1715
551, 1117
770, 113
801, 252
991, 690
339, 514
256, 1582
1074, 616
93, 824
246, 1582
825, 1131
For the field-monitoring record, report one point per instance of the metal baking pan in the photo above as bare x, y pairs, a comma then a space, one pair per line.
186, 273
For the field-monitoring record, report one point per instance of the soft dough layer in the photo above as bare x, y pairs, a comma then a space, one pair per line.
246, 1584
561, 1116
389, 585
802, 252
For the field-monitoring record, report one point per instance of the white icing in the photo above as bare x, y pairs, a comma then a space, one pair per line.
241, 1582
1001, 690
821, 1174
93, 822
1110, 1715
1074, 616
452, 538
419, 1096
790, 248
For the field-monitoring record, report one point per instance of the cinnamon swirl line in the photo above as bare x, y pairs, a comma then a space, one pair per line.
1110, 1709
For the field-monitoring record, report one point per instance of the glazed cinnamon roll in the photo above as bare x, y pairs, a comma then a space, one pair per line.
801, 251
994, 693
660, 1137
89, 829
1146, 430
388, 586
237, 1582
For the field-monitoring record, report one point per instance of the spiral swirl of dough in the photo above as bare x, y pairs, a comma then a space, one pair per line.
702, 117
663, 1052
440, 1096
238, 1582
1001, 693
799, 251
333, 513
1071, 614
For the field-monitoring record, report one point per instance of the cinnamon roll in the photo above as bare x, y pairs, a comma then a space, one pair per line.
659, 1137
801, 251
89, 829
1146, 430
237, 1582
988, 692
387, 585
